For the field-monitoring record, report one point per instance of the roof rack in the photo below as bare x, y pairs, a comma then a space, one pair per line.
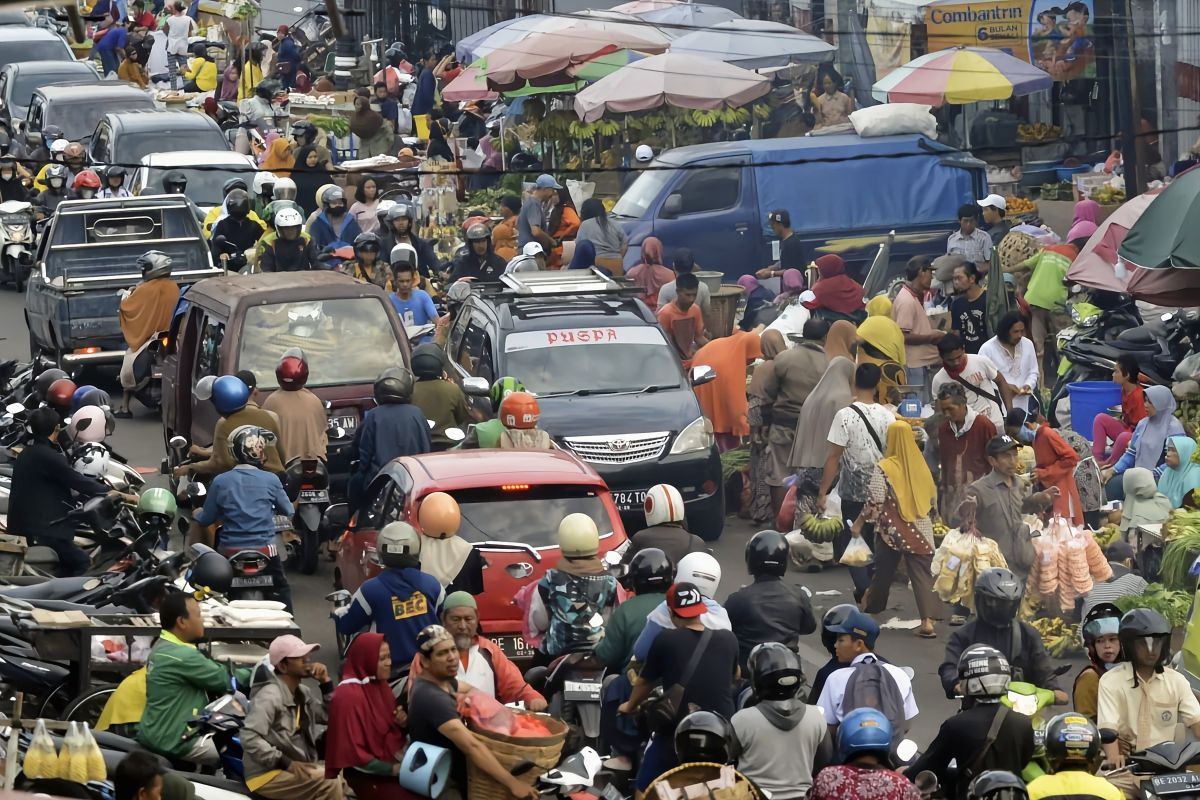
557, 282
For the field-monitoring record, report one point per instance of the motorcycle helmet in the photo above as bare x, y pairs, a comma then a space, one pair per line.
229, 395
864, 730
332, 198
702, 570
381, 211
8, 165
984, 673
767, 554
427, 364
1102, 619
304, 131
288, 218
439, 516
998, 594
1138, 623
997, 784
73, 155
650, 572
663, 504
86, 181
1072, 742
520, 411
157, 507
154, 264
249, 444
399, 545
56, 177
199, 50
834, 617
292, 370
705, 737
367, 242
174, 182
403, 255
285, 189
60, 393
775, 672
202, 391
209, 571
263, 183
502, 388
237, 202
56, 149
41, 384
268, 89
478, 232
78, 396
395, 385
93, 397
115, 171
87, 425
51, 134
91, 459
578, 536
401, 210
233, 183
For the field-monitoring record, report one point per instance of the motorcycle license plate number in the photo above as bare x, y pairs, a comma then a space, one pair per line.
1181, 783
630, 499
513, 646
247, 581
314, 496
581, 690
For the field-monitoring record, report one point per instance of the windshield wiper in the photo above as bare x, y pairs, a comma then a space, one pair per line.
571, 393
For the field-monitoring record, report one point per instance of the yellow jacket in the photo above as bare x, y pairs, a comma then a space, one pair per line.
210, 219
203, 72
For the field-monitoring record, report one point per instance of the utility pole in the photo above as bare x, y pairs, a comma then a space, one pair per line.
1131, 145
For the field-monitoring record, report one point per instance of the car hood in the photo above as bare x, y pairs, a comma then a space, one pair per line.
666, 410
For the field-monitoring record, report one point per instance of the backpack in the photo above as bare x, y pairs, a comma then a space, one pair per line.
872, 686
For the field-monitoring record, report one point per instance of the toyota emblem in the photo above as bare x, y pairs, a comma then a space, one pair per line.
618, 445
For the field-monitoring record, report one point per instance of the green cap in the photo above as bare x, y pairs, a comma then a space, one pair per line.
459, 600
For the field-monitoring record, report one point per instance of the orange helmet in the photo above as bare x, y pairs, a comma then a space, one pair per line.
519, 410
87, 179
439, 516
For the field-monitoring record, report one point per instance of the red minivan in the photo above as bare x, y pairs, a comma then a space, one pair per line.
511, 502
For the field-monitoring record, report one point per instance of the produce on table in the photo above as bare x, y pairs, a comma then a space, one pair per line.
1019, 205
1182, 536
1172, 604
1108, 195
1037, 132
1107, 535
1059, 637
940, 529
330, 123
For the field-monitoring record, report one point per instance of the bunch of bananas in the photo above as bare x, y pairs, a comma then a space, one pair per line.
940, 529
1107, 535
1037, 132
1108, 195
820, 529
1058, 636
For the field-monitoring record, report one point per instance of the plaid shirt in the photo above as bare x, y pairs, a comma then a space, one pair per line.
976, 248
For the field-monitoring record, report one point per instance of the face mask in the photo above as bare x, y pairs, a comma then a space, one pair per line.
6, 175
1026, 435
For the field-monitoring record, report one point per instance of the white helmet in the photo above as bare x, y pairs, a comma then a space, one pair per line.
398, 544
578, 536
403, 254
663, 503
92, 460
87, 425
263, 179
285, 189
288, 218
57, 147
203, 388
701, 569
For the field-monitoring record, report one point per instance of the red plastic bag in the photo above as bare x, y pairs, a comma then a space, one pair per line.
787, 512
486, 712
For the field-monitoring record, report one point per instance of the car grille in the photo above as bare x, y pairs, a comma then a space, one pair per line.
623, 449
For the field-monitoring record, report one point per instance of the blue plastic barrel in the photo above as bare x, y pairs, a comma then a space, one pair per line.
1089, 398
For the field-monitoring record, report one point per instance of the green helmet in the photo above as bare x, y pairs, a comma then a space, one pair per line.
158, 502
502, 388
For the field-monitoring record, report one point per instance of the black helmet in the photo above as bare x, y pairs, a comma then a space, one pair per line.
427, 366
1102, 619
367, 241
996, 784
115, 171
209, 570
705, 736
1141, 622
395, 385
233, 183
767, 554
50, 133
649, 571
237, 202
835, 616
249, 444
268, 89
305, 131
1072, 742
199, 50
998, 594
394, 54
174, 182
478, 232
402, 210
154, 264
42, 383
775, 672
984, 673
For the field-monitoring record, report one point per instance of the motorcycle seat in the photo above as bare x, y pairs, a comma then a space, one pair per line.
40, 556
1138, 337
53, 589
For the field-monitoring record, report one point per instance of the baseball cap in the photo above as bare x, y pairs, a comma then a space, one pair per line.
781, 216
1001, 444
547, 182
532, 249
858, 625
644, 152
685, 600
289, 646
993, 201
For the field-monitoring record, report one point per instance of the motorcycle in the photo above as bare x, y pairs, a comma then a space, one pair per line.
16, 242
1031, 701
573, 684
1166, 768
307, 482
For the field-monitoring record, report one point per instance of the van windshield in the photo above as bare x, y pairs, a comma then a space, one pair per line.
641, 195
347, 340
593, 360
526, 515
28, 82
134, 146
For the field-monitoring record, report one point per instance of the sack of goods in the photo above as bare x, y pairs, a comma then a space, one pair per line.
959, 561
1068, 562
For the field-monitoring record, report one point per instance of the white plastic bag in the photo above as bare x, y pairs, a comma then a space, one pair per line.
857, 553
890, 119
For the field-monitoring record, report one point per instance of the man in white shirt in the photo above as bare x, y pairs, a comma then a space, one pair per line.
855, 641
987, 391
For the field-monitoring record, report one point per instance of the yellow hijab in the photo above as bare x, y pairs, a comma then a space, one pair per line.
879, 306
907, 472
884, 335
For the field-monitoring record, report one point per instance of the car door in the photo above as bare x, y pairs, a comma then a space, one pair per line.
210, 333
387, 498
474, 354
713, 211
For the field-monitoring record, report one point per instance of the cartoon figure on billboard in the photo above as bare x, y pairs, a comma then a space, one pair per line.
1061, 40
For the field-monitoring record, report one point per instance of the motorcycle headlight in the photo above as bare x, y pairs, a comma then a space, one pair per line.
1075, 317
698, 435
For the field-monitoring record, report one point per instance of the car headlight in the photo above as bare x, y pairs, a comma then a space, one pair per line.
698, 435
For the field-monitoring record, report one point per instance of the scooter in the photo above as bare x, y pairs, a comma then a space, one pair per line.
308, 488
573, 684
1165, 768
16, 242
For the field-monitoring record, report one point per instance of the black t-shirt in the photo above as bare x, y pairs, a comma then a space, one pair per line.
961, 738
710, 687
791, 253
970, 320
429, 708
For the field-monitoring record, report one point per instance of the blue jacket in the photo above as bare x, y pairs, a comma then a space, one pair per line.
325, 233
289, 51
246, 500
390, 431
426, 90
398, 603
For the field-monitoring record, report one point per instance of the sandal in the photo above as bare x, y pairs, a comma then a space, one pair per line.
957, 620
123, 414
927, 633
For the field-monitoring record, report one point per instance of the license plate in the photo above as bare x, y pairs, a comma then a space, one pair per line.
581, 690
630, 499
513, 646
245, 581
314, 496
1182, 783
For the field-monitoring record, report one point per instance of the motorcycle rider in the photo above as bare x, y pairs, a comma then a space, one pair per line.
220, 211
56, 189
265, 109
985, 735
366, 265
1100, 629
863, 743
571, 596
486, 434
288, 248
235, 233
333, 227
519, 413
174, 182
305, 133
231, 399
401, 229
263, 187
144, 312
85, 186
996, 784
665, 521
477, 261
394, 428
12, 183
998, 595
303, 427
1074, 755
782, 742
702, 571
768, 610
283, 195
114, 183
74, 156
447, 556
441, 401
398, 602
55, 156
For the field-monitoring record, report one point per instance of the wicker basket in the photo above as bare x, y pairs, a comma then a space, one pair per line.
543, 751
670, 783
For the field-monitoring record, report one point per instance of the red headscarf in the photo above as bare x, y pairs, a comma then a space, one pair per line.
835, 290
362, 726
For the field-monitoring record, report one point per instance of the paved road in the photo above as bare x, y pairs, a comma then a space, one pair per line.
140, 440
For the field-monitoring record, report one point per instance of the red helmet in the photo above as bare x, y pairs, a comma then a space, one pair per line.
86, 180
61, 393
292, 371
519, 410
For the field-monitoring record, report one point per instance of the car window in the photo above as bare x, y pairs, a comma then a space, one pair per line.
208, 356
37, 50
475, 353
635, 201
528, 515
203, 185
34, 122
347, 340
710, 189
28, 82
132, 147
99, 143
599, 359
371, 516
79, 118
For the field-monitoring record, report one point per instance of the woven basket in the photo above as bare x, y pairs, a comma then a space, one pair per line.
700, 772
543, 751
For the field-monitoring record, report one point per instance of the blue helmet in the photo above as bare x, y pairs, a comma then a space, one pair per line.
863, 730
229, 395
77, 398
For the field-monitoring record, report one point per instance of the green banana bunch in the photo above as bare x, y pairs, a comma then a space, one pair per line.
821, 529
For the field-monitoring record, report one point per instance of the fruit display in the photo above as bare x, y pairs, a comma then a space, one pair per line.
1108, 195
1019, 205
1107, 535
821, 529
1059, 637
1030, 132
940, 529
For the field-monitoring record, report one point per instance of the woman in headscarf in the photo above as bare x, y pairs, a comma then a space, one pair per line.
1144, 507
584, 256
757, 298
1181, 475
228, 88
374, 133
881, 342
841, 341
365, 733
836, 294
310, 175
761, 509
606, 235
563, 224
279, 158
900, 499
651, 275
1084, 222
791, 285
880, 306
1148, 441
723, 400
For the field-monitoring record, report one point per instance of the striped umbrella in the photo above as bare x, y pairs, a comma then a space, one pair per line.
960, 75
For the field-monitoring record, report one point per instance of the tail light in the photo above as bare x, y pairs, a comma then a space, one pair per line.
248, 562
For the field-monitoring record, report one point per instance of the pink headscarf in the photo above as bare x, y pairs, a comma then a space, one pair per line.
651, 275
1086, 211
1083, 229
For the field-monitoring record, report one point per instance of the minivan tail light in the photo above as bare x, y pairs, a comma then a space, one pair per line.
514, 487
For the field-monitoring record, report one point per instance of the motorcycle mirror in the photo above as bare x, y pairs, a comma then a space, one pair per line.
14, 408
612, 559
926, 782
1167, 317
1108, 735
195, 490
177, 442
336, 518
906, 750
455, 434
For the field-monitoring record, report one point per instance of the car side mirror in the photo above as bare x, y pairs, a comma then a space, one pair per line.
703, 374
672, 207
336, 518
476, 387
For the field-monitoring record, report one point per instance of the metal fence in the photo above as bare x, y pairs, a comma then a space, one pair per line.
430, 23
